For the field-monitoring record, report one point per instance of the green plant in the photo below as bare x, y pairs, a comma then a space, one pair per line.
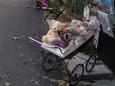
56, 4
77, 7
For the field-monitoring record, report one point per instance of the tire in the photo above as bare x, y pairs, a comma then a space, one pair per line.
49, 63
74, 76
90, 63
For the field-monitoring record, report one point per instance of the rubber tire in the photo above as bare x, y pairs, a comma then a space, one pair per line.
79, 78
88, 62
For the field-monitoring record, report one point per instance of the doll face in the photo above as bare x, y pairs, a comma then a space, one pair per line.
80, 29
57, 26
90, 25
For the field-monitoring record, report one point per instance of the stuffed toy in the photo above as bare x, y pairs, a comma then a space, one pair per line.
60, 43
74, 22
52, 34
65, 35
71, 45
68, 34
73, 31
93, 23
45, 4
76, 28
81, 29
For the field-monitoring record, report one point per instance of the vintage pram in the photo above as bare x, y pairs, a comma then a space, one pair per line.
76, 70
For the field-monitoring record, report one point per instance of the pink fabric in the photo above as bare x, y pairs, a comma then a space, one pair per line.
44, 4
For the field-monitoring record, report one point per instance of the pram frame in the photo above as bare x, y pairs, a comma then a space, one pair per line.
68, 57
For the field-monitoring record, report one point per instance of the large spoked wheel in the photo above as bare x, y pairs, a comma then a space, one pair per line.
90, 63
76, 74
49, 62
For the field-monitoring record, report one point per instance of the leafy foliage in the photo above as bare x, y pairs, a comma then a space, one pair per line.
56, 4
77, 7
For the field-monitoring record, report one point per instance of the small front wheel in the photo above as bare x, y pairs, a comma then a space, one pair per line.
76, 74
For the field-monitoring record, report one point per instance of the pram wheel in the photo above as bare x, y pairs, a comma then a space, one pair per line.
76, 74
49, 62
90, 63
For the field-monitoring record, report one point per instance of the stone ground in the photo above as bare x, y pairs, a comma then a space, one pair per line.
20, 60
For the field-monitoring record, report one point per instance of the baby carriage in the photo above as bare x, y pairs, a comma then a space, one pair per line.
75, 67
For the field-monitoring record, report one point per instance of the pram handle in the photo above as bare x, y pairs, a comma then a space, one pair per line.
35, 40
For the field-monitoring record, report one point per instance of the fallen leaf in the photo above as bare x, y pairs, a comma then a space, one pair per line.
16, 38
19, 47
7, 84
21, 55
53, 80
7, 75
45, 77
30, 59
14, 24
35, 82
40, 61
37, 74
63, 83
